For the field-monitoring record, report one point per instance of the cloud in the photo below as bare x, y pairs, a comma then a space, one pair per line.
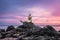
37, 11
19, 9
48, 20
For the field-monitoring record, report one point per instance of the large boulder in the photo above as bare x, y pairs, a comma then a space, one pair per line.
10, 28
21, 28
48, 30
2, 35
28, 27
2, 30
48, 27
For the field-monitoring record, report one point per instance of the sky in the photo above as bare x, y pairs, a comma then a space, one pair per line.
44, 11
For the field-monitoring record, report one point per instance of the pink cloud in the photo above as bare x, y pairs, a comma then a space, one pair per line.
56, 7
10, 21
48, 20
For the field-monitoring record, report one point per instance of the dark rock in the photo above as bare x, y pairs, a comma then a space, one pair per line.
2, 36
9, 35
48, 27
2, 30
48, 30
10, 28
39, 38
15, 35
29, 31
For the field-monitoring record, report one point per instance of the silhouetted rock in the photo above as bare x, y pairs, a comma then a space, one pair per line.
29, 31
48, 27
27, 38
15, 35
48, 30
36, 33
21, 28
10, 28
28, 24
2, 30
59, 31
39, 38
2, 35
28, 27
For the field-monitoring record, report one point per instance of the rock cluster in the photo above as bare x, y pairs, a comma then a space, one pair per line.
29, 31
